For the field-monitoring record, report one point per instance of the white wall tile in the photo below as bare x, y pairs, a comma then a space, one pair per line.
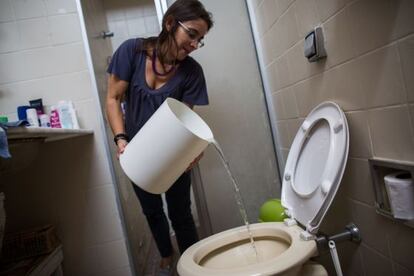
6, 11
133, 9
149, 7
50, 89
65, 28
151, 25
270, 13
392, 133
28, 9
60, 6
136, 27
10, 37
10, 67
34, 33
115, 10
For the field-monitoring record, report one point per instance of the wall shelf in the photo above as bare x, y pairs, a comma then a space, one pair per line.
15, 134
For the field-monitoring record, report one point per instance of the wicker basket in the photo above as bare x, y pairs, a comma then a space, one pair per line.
30, 243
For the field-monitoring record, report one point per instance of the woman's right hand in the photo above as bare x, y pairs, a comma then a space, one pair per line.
121, 144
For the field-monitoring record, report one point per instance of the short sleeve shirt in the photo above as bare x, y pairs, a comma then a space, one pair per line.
187, 85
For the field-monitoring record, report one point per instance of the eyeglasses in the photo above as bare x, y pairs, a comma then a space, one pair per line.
193, 34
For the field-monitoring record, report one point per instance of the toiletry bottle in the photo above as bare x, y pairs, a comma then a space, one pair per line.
65, 115
54, 117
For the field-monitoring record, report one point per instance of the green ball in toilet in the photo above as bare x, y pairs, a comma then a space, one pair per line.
272, 210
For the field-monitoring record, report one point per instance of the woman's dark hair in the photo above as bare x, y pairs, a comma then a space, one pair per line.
180, 10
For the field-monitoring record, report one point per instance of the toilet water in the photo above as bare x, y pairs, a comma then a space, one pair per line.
237, 195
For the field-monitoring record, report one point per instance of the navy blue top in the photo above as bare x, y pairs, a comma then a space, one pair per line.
187, 85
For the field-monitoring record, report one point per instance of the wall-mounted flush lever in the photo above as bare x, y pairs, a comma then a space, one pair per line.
105, 34
351, 233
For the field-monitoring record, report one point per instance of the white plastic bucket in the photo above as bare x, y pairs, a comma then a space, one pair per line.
165, 146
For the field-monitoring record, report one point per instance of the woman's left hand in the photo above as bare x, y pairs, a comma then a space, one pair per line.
192, 164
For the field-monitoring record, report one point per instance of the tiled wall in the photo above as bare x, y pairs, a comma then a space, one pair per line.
130, 19
368, 72
69, 183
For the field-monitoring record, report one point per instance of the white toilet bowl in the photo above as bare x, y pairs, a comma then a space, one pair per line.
280, 249
312, 175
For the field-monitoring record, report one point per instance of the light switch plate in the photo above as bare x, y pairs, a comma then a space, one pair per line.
314, 48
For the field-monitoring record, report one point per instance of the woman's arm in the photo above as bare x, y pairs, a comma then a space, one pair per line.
116, 91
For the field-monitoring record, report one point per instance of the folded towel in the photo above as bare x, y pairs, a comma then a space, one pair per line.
4, 145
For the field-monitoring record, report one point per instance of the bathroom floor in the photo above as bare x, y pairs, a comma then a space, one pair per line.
153, 259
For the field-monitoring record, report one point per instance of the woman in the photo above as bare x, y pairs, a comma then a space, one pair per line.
143, 73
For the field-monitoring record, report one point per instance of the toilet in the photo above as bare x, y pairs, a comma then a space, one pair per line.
313, 172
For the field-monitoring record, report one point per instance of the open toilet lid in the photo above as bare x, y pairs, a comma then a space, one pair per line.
315, 165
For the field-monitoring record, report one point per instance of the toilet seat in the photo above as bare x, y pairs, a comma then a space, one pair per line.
315, 165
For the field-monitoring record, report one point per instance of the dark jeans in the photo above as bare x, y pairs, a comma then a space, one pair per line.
179, 212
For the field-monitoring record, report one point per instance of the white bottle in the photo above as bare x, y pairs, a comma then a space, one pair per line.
65, 115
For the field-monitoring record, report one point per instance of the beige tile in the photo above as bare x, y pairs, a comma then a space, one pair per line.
102, 213
60, 6
338, 42
310, 93
289, 103
260, 19
406, 51
402, 271
282, 133
283, 5
278, 106
401, 242
350, 257
391, 133
283, 73
10, 37
374, 263
357, 181
327, 8
65, 28
125, 271
267, 47
28, 9
411, 107
270, 13
306, 15
285, 33
293, 126
403, 20
373, 227
272, 80
345, 91
6, 11
300, 67
359, 139
380, 77
34, 32
372, 24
